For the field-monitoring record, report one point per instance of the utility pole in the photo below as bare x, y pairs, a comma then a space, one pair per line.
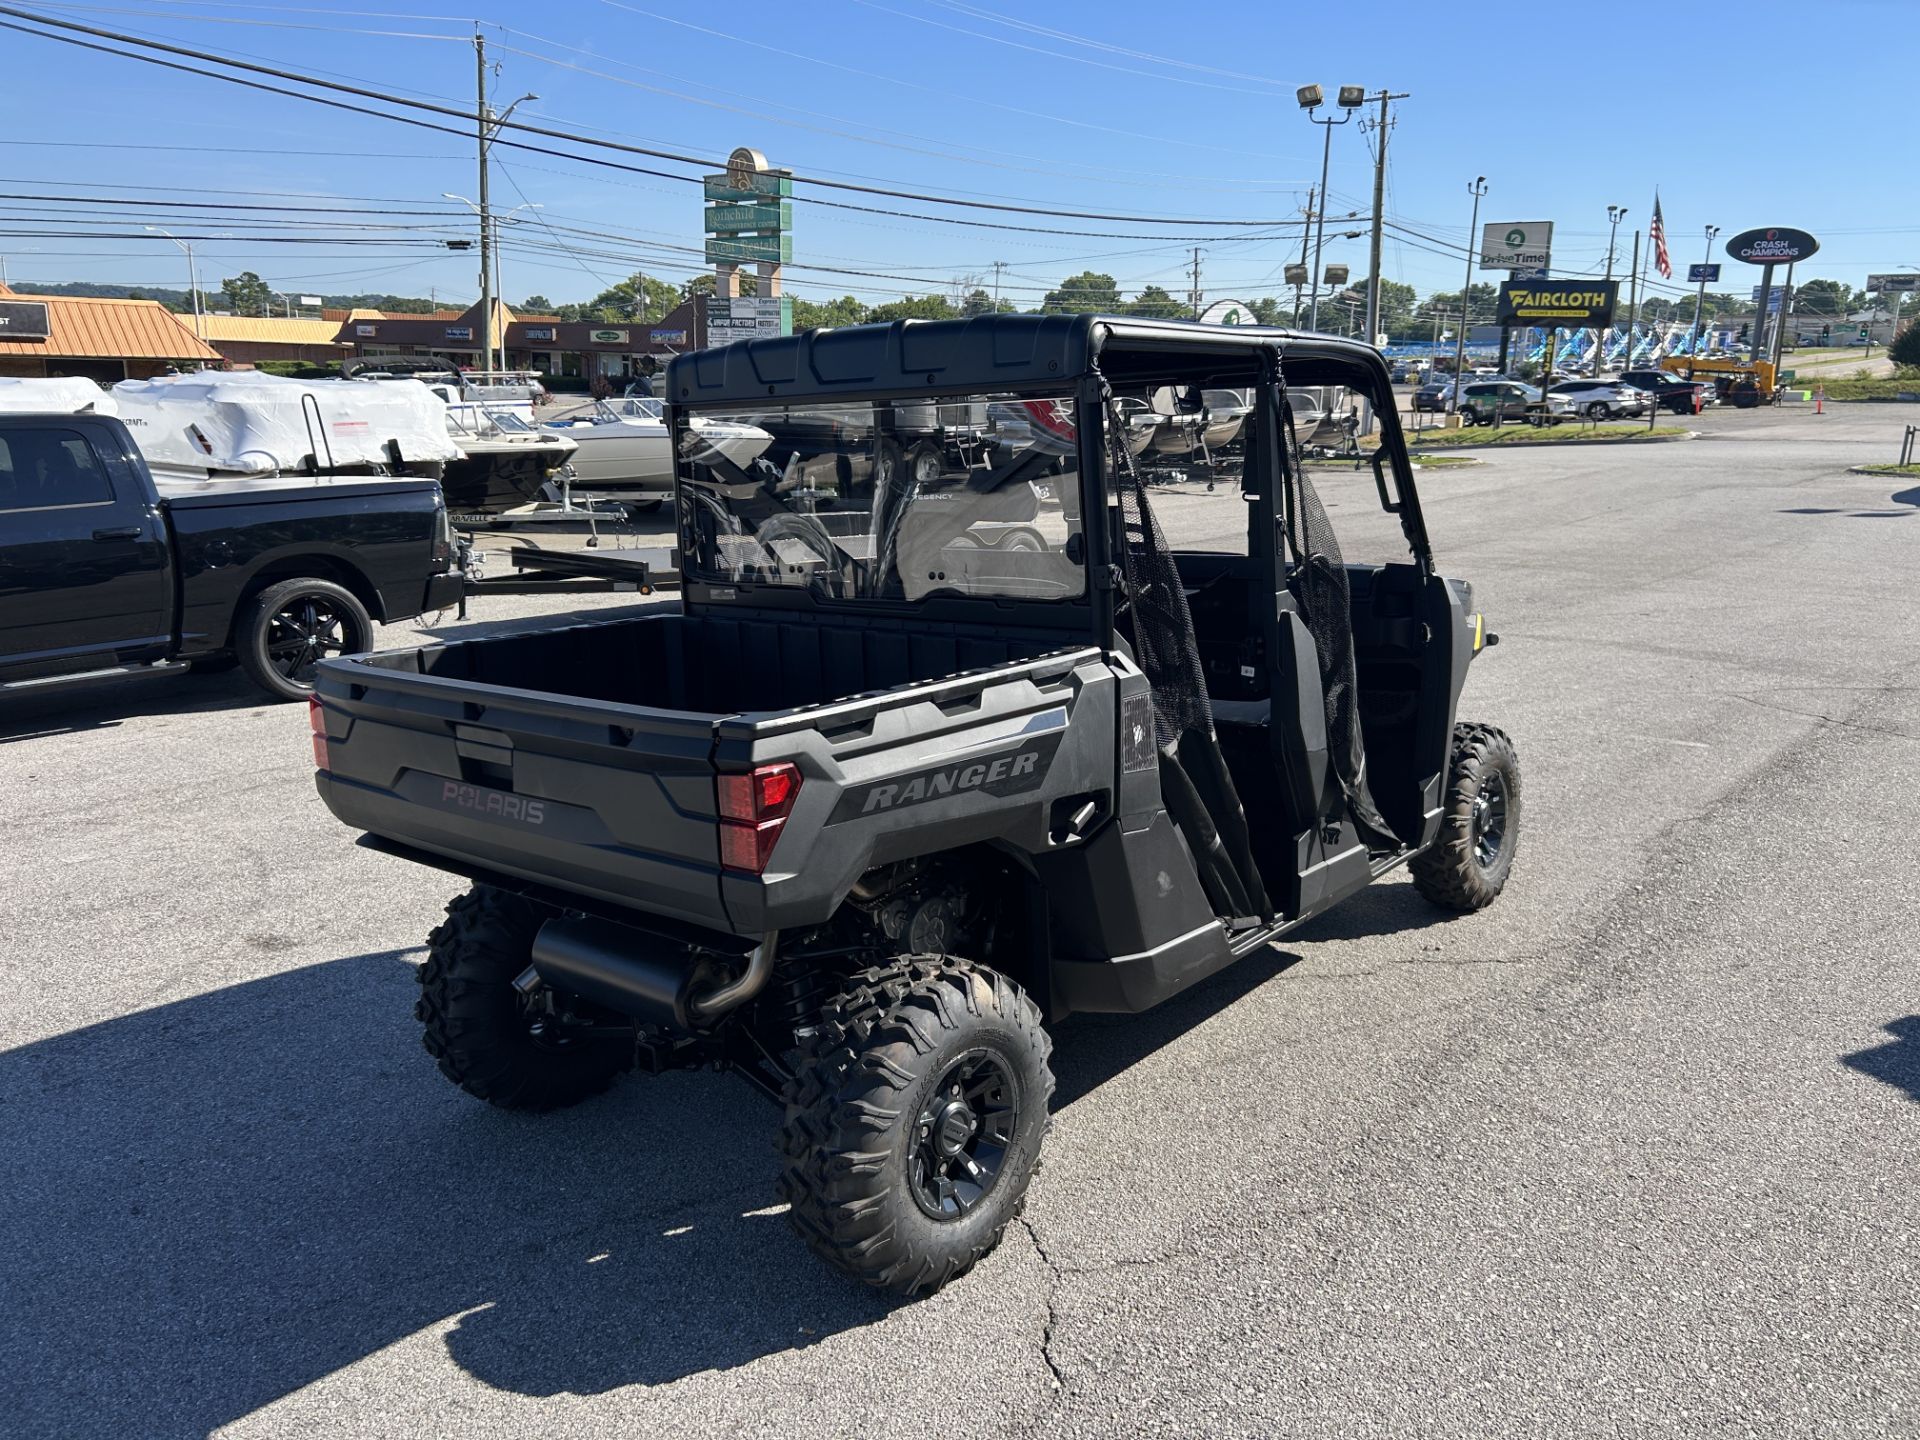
1476, 189
1633, 304
1700, 300
998, 266
1193, 295
1306, 234
482, 117
1382, 127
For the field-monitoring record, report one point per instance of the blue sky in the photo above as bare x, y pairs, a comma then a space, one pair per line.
1129, 108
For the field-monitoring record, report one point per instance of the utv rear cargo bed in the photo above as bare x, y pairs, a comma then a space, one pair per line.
584, 758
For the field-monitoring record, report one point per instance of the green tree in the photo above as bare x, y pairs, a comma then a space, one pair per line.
1157, 304
1826, 298
705, 284
248, 294
635, 300
1086, 293
1396, 305
828, 314
537, 305
915, 307
1905, 350
1269, 311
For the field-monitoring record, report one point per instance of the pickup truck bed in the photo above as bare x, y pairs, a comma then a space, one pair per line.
584, 759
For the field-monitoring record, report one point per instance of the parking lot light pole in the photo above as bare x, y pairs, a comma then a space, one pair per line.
1700, 299
1311, 97
1476, 189
1615, 214
193, 279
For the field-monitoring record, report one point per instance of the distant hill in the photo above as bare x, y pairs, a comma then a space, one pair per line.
181, 302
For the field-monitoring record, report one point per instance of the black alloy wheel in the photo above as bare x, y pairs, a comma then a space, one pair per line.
1490, 820
962, 1135
294, 625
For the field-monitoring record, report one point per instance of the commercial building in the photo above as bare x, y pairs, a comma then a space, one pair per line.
103, 340
247, 340
543, 343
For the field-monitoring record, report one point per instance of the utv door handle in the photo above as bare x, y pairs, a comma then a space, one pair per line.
122, 532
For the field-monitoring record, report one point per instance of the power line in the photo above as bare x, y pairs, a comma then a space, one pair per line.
278, 73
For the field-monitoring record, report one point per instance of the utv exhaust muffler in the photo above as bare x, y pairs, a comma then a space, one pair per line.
645, 976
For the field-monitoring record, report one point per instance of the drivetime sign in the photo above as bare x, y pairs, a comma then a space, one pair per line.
1517, 245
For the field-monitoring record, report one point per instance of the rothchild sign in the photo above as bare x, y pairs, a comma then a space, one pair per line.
1776, 245
1558, 302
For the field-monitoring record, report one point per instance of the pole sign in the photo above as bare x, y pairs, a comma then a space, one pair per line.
1558, 302
1777, 245
1887, 284
1704, 274
1517, 245
1227, 312
23, 320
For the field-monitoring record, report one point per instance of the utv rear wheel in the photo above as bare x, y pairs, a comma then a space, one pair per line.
914, 1121
1467, 866
476, 1026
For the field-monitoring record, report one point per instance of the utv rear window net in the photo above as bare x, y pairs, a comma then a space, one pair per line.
886, 500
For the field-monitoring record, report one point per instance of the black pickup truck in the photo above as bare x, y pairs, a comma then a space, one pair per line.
102, 571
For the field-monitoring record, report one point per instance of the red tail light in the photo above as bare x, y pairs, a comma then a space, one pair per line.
753, 809
317, 722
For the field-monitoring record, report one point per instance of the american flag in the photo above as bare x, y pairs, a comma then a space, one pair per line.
1657, 233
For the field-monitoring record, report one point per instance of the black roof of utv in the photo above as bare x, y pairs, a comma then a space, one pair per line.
984, 354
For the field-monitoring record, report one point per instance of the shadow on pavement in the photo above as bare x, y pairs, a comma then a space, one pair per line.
104, 704
1383, 908
1896, 1063
218, 1201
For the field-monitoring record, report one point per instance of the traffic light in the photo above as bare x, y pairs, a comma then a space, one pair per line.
1743, 333
1826, 334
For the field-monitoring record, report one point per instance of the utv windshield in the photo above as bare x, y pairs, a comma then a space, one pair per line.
887, 500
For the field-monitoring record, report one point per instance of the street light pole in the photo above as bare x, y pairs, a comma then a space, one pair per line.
1311, 98
1615, 213
1476, 189
1700, 300
193, 279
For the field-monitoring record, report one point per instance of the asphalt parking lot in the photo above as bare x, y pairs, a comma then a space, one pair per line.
1631, 1153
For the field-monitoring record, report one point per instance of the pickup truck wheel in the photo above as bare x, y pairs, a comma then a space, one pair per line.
290, 627
914, 1120
1467, 866
473, 1019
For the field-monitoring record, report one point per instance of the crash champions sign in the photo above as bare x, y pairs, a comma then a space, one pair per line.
1775, 245
1578, 303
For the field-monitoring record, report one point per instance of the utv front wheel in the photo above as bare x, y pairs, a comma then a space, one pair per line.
476, 1025
1467, 866
914, 1121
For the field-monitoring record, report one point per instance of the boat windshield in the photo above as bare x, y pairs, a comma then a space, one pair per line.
889, 500
631, 407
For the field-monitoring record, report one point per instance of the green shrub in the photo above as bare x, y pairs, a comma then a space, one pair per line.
1905, 349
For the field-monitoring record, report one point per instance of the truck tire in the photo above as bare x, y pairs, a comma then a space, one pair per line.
914, 1121
1467, 865
473, 1022
289, 627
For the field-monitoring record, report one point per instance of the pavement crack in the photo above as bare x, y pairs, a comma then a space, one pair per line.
1831, 719
1054, 1275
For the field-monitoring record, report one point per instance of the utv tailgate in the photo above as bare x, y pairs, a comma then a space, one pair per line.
609, 800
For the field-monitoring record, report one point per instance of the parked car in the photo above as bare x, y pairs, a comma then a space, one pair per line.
107, 572
1670, 391
1603, 398
1488, 402
1436, 394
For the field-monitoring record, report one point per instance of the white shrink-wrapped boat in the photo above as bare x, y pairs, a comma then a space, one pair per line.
59, 395
219, 425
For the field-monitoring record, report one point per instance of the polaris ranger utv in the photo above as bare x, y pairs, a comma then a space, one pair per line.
890, 792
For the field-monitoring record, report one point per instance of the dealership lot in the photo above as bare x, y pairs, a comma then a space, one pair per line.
1629, 1153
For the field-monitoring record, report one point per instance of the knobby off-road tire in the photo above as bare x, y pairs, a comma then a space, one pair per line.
878, 1146
1467, 866
472, 1018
